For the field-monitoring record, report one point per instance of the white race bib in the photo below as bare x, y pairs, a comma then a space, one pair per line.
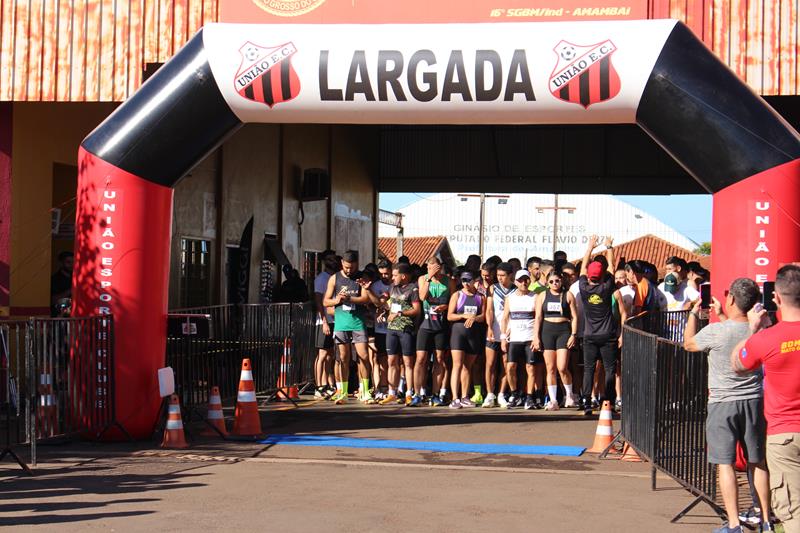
470, 309
348, 307
554, 307
396, 307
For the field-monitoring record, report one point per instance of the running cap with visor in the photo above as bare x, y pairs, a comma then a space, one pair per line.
671, 283
522, 274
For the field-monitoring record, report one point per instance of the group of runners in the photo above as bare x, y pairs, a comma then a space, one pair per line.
420, 335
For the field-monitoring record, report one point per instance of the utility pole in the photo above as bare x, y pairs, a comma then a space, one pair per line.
556, 208
396, 220
483, 196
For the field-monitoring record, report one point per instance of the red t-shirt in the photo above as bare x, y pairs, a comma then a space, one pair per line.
777, 350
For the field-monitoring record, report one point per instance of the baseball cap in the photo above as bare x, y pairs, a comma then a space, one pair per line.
594, 270
522, 274
671, 283
466, 276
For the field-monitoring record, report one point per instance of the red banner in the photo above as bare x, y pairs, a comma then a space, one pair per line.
425, 11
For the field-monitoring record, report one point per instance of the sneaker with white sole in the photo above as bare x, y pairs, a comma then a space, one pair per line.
467, 402
502, 401
551, 406
455, 404
490, 401
570, 402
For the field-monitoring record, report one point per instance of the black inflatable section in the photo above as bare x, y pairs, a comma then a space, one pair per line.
719, 130
170, 124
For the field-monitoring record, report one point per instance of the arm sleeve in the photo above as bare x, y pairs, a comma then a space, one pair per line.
752, 354
706, 338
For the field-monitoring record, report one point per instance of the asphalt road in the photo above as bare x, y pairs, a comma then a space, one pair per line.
243, 486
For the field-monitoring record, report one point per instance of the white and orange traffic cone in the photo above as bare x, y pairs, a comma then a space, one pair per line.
247, 421
285, 391
605, 429
47, 412
214, 416
173, 431
629, 454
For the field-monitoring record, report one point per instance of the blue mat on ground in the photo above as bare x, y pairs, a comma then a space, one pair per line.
446, 447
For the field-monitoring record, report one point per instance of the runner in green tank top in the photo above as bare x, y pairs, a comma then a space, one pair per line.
435, 289
348, 295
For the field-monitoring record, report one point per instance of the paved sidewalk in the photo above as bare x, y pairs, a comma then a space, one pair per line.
243, 486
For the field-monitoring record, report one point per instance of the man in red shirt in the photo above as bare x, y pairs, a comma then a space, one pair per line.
777, 350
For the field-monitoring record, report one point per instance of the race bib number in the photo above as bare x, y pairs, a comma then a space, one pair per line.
396, 308
348, 307
470, 309
553, 307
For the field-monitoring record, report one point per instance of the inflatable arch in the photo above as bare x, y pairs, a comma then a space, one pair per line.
655, 73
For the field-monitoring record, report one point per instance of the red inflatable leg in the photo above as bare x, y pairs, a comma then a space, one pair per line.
756, 227
122, 268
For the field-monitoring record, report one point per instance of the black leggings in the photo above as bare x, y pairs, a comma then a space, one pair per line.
605, 348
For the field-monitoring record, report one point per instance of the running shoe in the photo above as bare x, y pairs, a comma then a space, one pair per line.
513, 401
467, 402
409, 399
436, 401
416, 401
477, 398
529, 403
570, 402
551, 406
502, 401
595, 403
455, 404
388, 399
340, 399
751, 516
618, 406
318, 395
538, 403
766, 526
490, 401
368, 399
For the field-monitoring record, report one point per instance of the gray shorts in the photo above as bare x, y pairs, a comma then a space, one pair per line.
737, 421
350, 337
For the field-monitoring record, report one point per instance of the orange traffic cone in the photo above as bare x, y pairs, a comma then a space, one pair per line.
215, 416
286, 392
247, 421
629, 454
173, 432
47, 412
605, 430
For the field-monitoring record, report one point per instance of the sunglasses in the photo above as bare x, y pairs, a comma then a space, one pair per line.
554, 281
466, 280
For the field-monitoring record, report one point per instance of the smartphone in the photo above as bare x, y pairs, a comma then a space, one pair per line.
768, 297
705, 296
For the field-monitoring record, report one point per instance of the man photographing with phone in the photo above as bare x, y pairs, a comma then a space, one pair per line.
777, 350
735, 402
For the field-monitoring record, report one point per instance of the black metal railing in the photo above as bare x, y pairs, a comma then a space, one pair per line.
665, 388
58, 380
263, 333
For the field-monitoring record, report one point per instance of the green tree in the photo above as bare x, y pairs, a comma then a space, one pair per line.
703, 249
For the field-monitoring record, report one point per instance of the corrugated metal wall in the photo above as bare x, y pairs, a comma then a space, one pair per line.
90, 50
96, 50
758, 39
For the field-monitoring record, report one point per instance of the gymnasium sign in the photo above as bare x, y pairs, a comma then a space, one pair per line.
436, 73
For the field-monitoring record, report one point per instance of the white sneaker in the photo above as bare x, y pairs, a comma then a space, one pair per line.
570, 402
551, 406
490, 401
318, 394
501, 400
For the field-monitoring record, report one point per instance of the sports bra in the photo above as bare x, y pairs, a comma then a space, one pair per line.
556, 306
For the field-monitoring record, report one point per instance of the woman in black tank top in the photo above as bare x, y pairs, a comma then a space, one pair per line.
555, 332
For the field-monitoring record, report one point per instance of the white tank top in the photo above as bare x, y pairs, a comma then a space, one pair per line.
520, 323
499, 296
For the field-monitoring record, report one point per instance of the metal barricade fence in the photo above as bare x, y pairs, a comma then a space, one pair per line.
264, 333
665, 388
58, 376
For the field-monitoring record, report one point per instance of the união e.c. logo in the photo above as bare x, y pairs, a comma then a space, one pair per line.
288, 8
